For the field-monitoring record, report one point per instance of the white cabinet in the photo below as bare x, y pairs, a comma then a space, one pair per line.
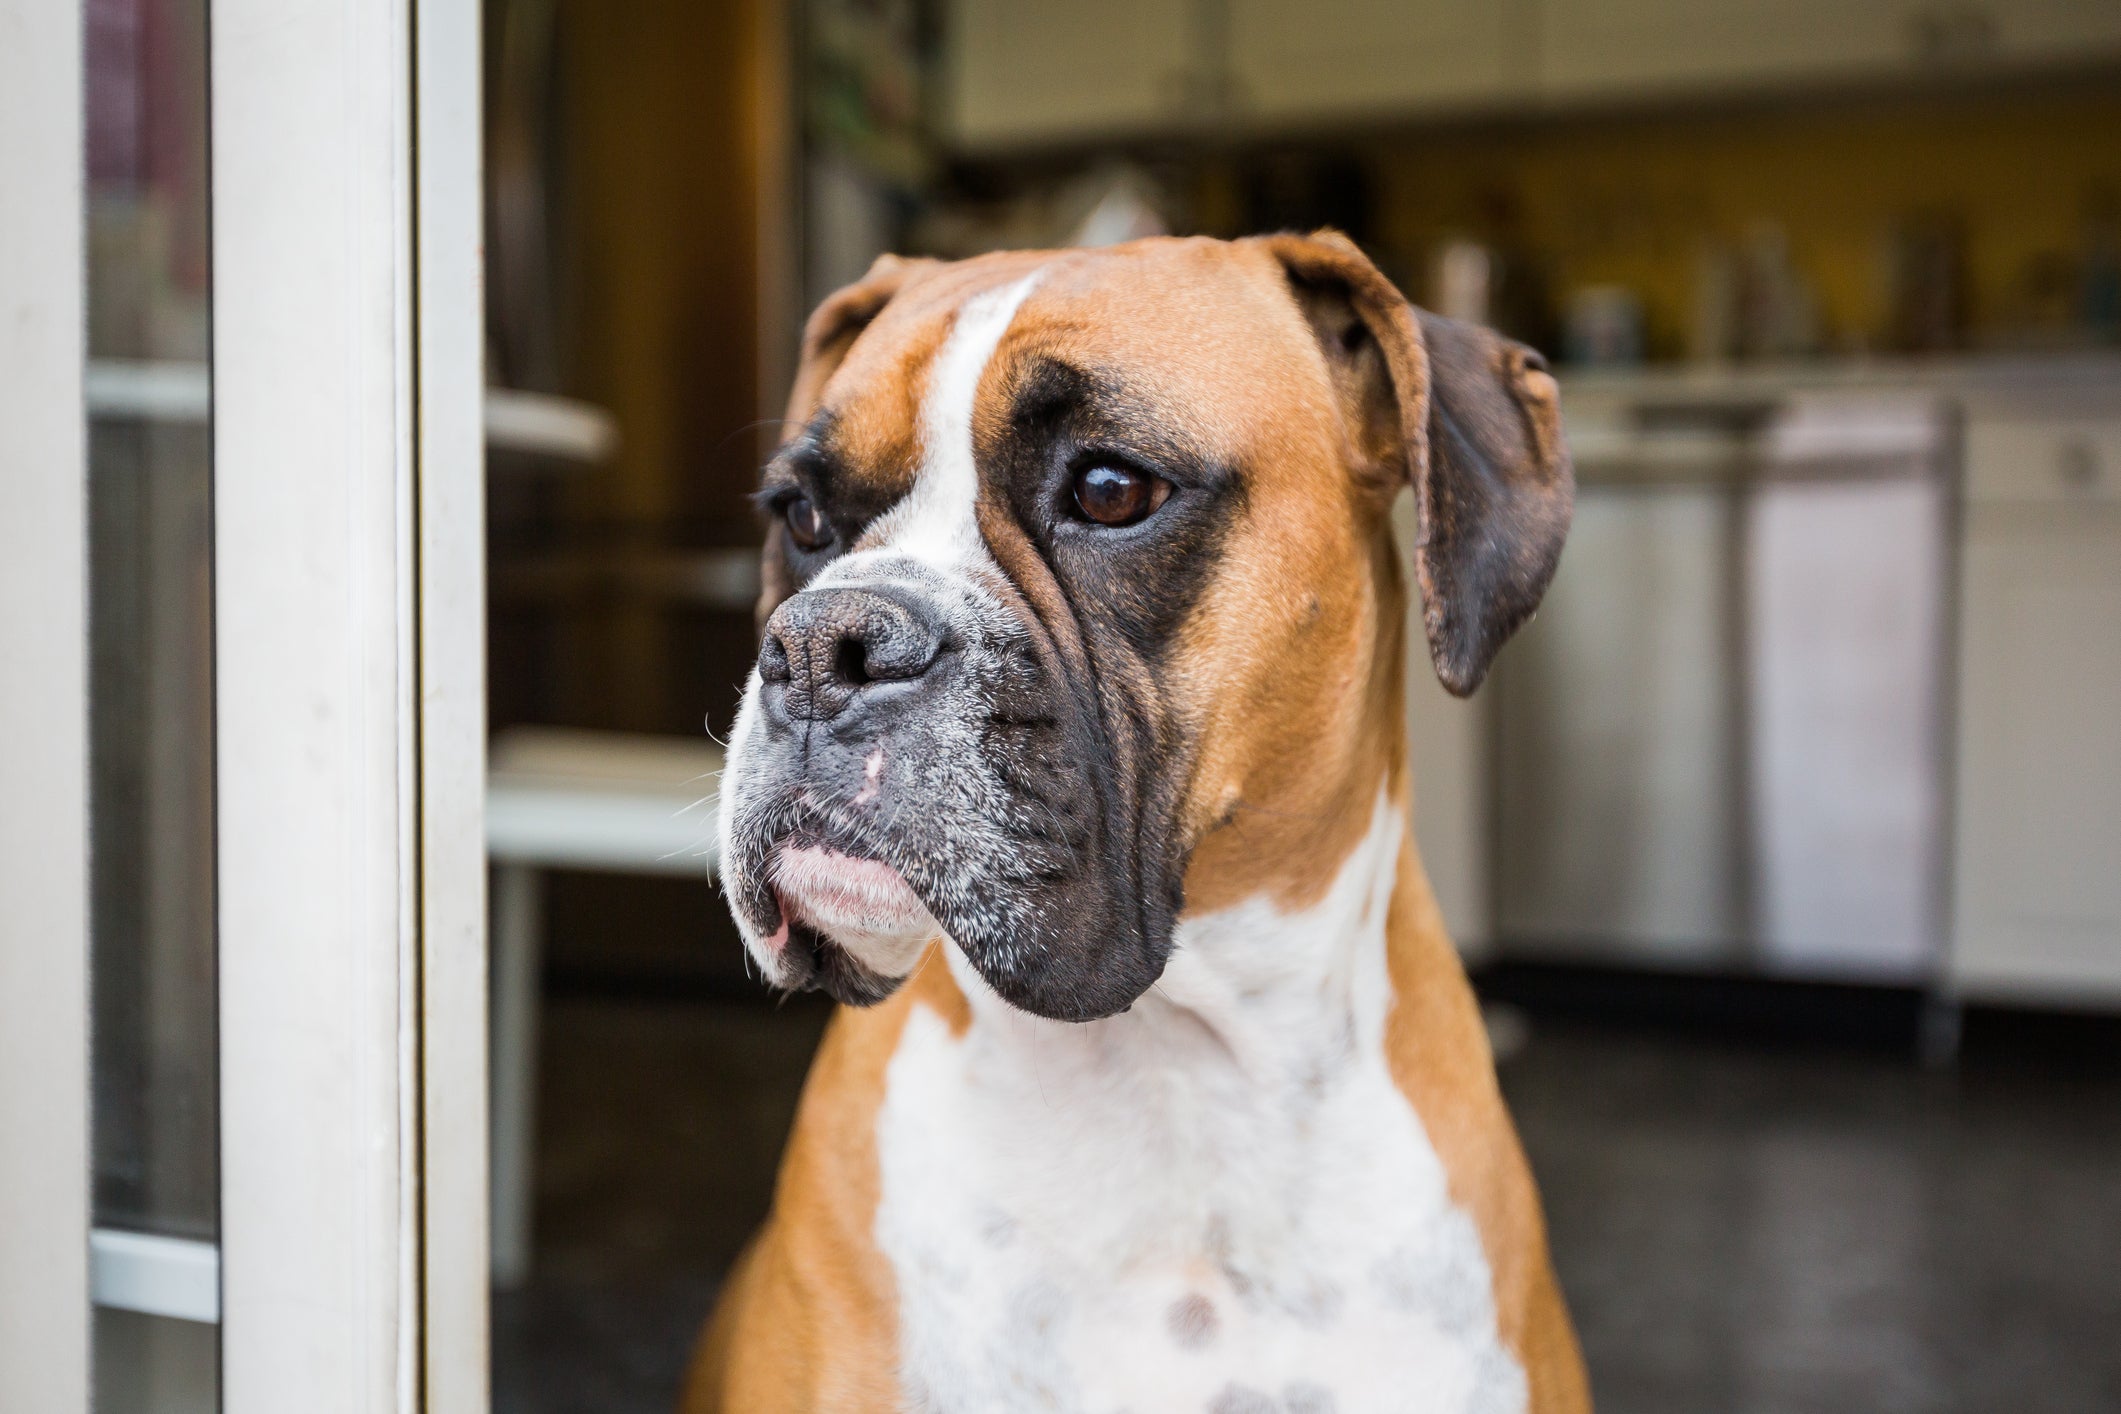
1593, 48
1023, 72
2037, 31
1343, 59
2037, 892
1028, 71
1627, 48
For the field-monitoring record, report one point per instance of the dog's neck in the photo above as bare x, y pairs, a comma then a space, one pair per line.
1256, 992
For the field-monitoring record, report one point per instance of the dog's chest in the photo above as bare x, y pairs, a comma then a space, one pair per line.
1146, 1218
1298, 1255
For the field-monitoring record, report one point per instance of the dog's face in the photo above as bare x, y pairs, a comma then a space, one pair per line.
1074, 556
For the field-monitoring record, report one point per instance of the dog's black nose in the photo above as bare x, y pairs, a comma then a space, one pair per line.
826, 645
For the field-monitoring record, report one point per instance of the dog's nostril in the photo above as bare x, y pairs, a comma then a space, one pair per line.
852, 664
773, 659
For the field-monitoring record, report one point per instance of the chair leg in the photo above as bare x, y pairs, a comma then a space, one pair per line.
518, 956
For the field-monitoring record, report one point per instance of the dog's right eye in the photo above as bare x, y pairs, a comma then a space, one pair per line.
807, 525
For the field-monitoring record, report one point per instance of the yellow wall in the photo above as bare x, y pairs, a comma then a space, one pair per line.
1630, 200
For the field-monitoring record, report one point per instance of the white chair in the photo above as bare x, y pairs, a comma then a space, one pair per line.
562, 799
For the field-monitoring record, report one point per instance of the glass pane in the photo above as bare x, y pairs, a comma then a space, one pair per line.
155, 1365
150, 628
151, 696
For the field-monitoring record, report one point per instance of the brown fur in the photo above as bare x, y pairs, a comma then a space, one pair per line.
1287, 679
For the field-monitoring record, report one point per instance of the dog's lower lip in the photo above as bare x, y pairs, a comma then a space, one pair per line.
823, 885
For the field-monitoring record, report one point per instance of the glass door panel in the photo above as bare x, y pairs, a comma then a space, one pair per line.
154, 1270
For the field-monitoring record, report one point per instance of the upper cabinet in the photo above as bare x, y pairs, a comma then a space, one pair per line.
1292, 62
1600, 47
1641, 48
1028, 72
1031, 71
2031, 31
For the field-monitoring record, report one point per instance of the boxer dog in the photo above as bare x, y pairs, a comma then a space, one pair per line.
1075, 766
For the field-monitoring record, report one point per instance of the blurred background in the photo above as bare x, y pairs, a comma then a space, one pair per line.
1785, 845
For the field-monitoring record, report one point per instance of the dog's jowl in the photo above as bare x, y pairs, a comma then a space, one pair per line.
1074, 763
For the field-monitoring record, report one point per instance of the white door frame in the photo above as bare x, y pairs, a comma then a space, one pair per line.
449, 345
44, 1314
349, 640
349, 636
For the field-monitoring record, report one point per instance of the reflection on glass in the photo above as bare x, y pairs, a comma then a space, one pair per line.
151, 671
147, 194
155, 1365
151, 696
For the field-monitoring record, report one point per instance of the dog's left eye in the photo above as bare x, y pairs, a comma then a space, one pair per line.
1118, 495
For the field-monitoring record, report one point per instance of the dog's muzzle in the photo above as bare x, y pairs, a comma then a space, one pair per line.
909, 765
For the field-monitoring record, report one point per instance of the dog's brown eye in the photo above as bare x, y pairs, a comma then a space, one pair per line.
1116, 495
806, 524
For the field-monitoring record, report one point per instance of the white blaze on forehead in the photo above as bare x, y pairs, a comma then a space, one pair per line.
936, 521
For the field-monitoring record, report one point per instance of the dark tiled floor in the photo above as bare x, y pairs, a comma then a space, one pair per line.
660, 1130
1753, 1231
1742, 1230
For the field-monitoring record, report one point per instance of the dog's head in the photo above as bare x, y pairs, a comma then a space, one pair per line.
1080, 600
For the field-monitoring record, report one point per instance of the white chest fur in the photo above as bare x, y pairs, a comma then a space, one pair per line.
1217, 1202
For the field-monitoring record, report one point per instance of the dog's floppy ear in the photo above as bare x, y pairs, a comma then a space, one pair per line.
831, 330
1472, 419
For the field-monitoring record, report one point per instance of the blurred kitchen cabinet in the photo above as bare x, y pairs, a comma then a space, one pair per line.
1337, 59
2010, 32
1023, 72
1638, 48
2038, 878
1029, 72
1592, 48
1032, 71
